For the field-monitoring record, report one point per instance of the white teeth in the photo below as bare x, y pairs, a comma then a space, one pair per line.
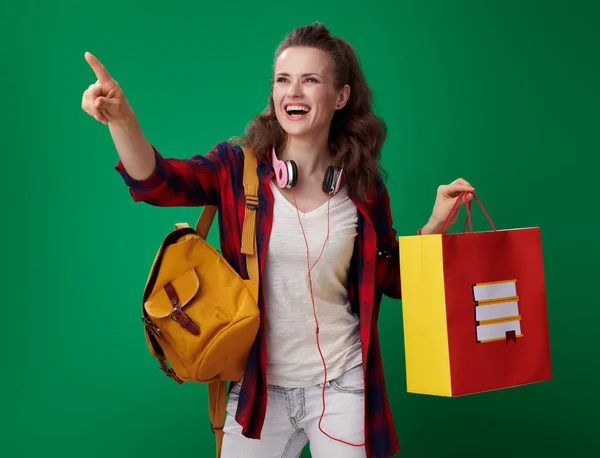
297, 108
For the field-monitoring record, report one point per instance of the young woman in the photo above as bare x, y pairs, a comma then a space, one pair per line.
326, 246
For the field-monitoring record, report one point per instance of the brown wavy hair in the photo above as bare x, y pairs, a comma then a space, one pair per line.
356, 135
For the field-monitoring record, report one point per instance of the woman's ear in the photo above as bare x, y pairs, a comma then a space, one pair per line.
343, 97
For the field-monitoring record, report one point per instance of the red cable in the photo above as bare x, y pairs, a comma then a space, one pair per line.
312, 297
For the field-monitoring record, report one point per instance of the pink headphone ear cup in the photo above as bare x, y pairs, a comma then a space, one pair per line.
281, 172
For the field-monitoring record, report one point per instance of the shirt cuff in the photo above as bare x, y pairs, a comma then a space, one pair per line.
149, 187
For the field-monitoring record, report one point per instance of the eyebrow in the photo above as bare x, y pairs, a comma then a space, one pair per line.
304, 74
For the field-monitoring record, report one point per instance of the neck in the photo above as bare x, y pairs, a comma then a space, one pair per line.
310, 154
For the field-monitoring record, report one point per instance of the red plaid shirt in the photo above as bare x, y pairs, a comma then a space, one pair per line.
216, 179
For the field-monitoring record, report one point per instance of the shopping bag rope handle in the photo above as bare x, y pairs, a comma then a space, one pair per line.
463, 197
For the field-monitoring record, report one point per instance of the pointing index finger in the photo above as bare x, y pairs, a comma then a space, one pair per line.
101, 72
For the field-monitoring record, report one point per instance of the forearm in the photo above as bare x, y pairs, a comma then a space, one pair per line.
135, 152
168, 182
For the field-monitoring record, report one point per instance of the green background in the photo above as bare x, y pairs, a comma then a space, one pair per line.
502, 93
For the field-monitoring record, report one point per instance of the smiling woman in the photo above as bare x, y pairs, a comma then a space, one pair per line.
311, 114
325, 240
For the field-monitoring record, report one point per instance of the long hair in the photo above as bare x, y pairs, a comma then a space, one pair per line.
356, 135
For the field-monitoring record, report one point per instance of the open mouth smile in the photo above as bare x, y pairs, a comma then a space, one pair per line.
296, 112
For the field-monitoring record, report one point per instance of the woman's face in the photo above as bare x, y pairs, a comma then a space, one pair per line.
304, 92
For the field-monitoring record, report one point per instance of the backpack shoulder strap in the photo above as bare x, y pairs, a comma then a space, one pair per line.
207, 215
251, 186
217, 391
249, 231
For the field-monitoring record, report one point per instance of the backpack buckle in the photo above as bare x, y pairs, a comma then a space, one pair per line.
149, 324
184, 320
169, 372
252, 202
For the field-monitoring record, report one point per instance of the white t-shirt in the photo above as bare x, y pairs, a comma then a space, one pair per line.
293, 359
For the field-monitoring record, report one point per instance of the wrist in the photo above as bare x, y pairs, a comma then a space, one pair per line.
432, 227
126, 120
125, 123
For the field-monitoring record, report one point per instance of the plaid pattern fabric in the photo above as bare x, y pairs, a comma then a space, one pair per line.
215, 178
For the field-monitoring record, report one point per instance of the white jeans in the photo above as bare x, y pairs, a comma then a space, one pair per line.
292, 421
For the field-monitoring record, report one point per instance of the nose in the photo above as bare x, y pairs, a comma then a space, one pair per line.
295, 90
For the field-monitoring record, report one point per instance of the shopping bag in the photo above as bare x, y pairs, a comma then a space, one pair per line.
474, 310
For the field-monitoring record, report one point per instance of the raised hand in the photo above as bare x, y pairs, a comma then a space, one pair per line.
104, 100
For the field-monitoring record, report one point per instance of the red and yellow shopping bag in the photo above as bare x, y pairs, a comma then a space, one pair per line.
474, 311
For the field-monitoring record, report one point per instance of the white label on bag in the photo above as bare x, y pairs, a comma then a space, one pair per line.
498, 331
483, 292
497, 311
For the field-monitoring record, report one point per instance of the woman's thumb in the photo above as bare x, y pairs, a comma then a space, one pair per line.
105, 103
100, 102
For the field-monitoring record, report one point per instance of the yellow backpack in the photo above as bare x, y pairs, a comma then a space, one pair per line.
201, 318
